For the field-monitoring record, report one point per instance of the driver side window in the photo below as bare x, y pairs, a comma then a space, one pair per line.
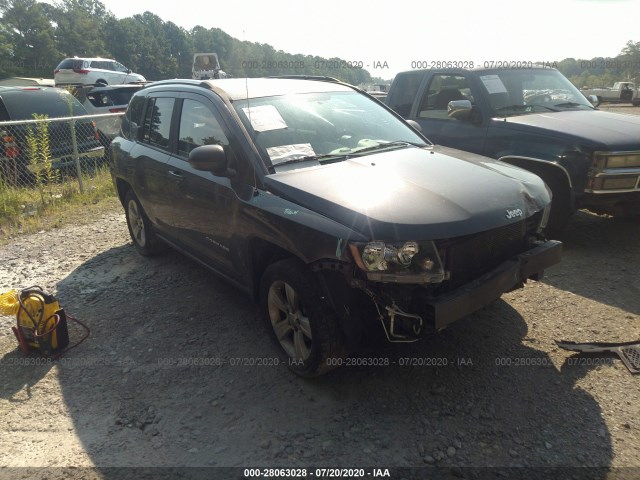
199, 126
442, 89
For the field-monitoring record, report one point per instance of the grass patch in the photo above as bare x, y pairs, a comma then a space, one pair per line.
29, 210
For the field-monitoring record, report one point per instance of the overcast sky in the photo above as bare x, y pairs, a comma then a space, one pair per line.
401, 32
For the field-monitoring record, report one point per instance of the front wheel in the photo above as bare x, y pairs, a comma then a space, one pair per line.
305, 330
140, 229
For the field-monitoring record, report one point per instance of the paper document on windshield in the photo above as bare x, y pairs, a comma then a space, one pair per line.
493, 84
285, 153
265, 118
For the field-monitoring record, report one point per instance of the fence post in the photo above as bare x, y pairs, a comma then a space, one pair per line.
76, 156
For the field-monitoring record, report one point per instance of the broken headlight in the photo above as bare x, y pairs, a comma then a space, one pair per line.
399, 262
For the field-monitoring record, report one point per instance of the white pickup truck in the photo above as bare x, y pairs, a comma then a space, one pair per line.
621, 92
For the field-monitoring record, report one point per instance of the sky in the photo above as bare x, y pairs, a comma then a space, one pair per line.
401, 35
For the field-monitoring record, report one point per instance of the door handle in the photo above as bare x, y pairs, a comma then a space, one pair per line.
176, 174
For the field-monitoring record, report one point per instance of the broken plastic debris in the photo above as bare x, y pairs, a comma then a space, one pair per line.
629, 352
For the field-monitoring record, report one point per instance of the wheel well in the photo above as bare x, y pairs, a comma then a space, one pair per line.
263, 254
122, 187
556, 177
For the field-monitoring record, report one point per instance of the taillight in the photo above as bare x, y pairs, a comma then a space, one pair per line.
55, 71
10, 147
81, 71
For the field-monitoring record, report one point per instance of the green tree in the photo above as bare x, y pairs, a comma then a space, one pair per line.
29, 38
80, 27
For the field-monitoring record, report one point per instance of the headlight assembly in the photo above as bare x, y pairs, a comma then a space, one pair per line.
408, 262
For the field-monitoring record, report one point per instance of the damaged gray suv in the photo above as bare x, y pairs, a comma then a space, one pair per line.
327, 208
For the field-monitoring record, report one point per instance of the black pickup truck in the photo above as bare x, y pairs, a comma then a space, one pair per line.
536, 119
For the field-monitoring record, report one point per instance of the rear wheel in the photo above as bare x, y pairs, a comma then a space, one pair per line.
305, 330
140, 229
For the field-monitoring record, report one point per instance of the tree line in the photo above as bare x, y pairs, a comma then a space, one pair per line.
604, 71
35, 37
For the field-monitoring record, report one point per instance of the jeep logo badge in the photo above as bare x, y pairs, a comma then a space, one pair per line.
514, 213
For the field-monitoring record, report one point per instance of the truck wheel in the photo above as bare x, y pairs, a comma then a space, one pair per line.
140, 229
305, 330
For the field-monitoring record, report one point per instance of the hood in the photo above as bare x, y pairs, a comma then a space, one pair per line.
414, 193
610, 131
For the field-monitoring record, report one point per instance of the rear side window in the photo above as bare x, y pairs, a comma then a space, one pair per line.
22, 104
133, 117
404, 92
157, 122
101, 64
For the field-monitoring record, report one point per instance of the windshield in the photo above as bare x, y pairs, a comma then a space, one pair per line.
514, 92
326, 126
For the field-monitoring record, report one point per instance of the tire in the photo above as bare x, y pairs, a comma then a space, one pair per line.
305, 331
140, 229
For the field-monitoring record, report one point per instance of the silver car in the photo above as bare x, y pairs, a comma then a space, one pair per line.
93, 71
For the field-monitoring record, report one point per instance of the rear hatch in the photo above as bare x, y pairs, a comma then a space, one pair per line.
69, 71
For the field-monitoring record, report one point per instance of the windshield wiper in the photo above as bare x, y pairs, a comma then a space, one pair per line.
395, 143
571, 104
309, 158
522, 108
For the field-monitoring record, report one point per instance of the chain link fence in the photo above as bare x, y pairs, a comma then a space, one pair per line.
38, 153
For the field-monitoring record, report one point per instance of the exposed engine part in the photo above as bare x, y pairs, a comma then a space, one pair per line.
392, 335
391, 330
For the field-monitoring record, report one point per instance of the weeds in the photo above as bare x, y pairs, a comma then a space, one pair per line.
24, 209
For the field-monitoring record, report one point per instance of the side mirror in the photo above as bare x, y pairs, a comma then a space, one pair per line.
129, 70
415, 125
459, 109
211, 158
594, 100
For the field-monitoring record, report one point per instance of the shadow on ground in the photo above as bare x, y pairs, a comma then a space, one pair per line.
600, 261
179, 372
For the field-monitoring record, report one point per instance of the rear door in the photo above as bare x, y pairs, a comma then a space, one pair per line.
149, 157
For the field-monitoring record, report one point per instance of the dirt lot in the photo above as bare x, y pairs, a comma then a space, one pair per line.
168, 376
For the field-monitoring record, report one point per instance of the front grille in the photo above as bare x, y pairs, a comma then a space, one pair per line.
469, 257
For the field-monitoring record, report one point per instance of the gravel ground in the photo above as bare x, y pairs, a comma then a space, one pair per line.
168, 376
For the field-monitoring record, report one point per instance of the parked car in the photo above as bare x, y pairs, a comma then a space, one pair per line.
93, 71
536, 119
106, 99
326, 207
27, 82
21, 103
